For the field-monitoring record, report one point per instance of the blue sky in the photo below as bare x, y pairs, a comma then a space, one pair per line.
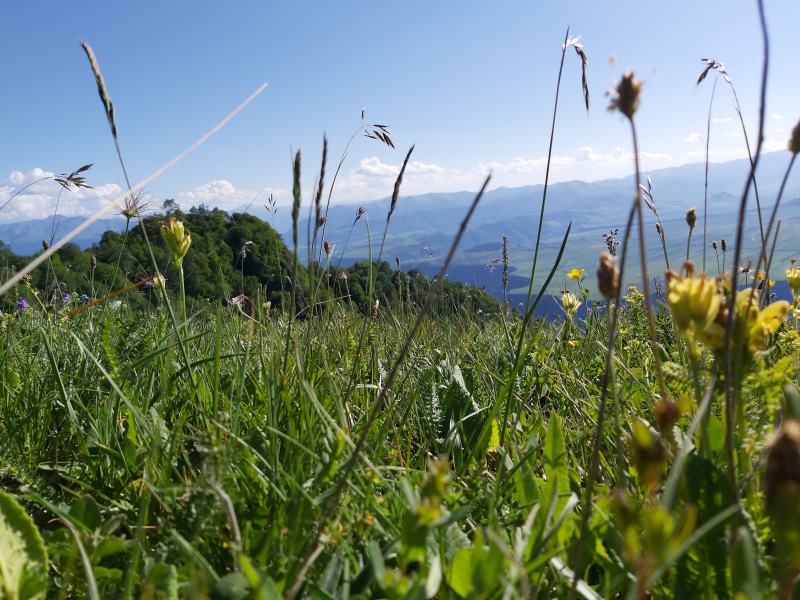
471, 83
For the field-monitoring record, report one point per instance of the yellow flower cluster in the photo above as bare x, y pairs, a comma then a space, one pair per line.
698, 308
695, 304
177, 238
570, 303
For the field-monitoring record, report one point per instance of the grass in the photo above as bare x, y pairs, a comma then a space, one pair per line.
238, 450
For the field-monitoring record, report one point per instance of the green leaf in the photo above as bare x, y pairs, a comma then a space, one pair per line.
23, 560
161, 583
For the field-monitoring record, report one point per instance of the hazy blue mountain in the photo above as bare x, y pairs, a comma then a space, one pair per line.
423, 226
25, 237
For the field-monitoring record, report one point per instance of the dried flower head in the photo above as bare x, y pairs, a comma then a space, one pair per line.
627, 92
794, 141
608, 276
328, 249
375, 306
723, 245
783, 466
45, 245
93, 261
691, 217
714, 244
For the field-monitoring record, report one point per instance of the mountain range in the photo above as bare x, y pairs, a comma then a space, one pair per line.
422, 227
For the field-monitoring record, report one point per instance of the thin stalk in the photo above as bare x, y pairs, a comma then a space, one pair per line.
730, 382
705, 193
546, 177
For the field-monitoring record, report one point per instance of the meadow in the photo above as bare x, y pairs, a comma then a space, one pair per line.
414, 439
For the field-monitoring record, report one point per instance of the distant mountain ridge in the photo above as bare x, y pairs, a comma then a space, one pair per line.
423, 226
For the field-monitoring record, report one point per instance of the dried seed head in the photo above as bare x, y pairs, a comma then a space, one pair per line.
691, 217
327, 246
608, 276
658, 228
783, 464
723, 245
93, 261
375, 306
627, 92
794, 141
713, 244
45, 245
397, 262
667, 413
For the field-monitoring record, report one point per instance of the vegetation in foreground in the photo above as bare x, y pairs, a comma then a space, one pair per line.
246, 449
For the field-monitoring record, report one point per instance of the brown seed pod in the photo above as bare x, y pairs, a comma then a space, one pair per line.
783, 464
608, 276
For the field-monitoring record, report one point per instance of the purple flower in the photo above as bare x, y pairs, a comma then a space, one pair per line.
22, 305
66, 298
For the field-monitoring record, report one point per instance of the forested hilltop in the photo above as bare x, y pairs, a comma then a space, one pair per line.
235, 258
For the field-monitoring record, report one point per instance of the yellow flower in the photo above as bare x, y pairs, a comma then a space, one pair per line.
570, 303
760, 276
695, 304
793, 278
177, 238
576, 273
757, 324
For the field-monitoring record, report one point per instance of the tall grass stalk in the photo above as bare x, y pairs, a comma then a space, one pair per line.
733, 364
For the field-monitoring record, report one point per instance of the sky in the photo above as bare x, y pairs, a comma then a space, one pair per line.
470, 83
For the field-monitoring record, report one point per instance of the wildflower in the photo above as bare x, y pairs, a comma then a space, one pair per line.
570, 303
695, 303
328, 249
691, 217
22, 305
757, 325
793, 278
177, 238
626, 100
116, 304
84, 299
66, 298
93, 261
375, 306
608, 276
575, 274
760, 276
45, 245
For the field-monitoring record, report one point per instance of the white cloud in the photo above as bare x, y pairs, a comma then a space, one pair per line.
40, 199
776, 116
721, 120
693, 137
373, 178
223, 194
583, 157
